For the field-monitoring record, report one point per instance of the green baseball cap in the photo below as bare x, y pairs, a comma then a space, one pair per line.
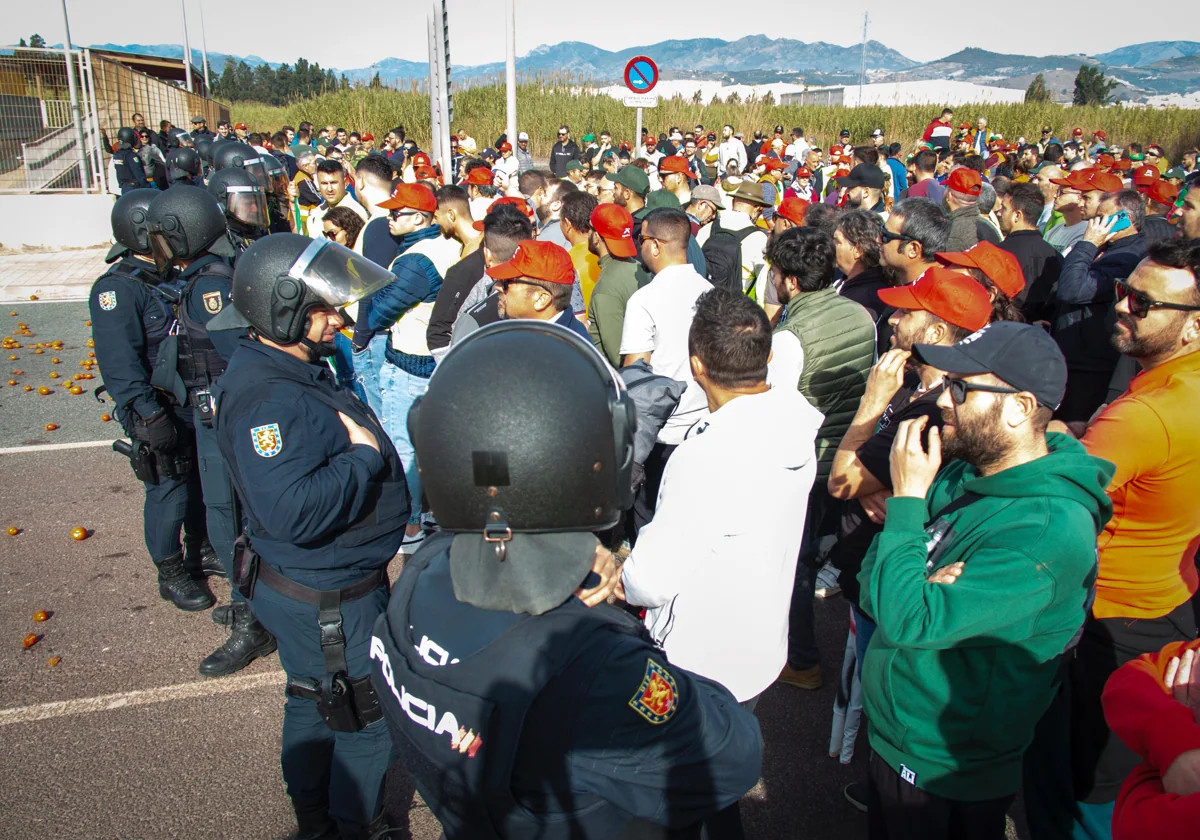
573, 165
589, 138
1176, 172
633, 178
662, 198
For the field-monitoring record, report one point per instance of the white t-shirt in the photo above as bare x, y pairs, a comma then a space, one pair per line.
787, 360
658, 317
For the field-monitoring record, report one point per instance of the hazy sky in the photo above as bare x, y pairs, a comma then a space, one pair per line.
397, 29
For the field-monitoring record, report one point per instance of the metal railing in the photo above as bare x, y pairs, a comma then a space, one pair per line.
45, 146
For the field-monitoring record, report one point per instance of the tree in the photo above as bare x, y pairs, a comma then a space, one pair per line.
36, 41
1036, 92
1092, 88
733, 99
22, 44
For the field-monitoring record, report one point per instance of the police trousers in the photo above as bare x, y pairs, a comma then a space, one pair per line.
174, 504
338, 772
218, 500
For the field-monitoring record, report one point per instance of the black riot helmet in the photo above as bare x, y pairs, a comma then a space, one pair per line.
240, 197
277, 179
183, 223
129, 215
242, 156
126, 138
182, 163
499, 478
204, 146
282, 277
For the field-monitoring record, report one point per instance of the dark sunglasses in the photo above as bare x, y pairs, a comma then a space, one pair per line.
643, 239
959, 389
503, 285
1140, 303
400, 214
887, 236
1153, 154
332, 234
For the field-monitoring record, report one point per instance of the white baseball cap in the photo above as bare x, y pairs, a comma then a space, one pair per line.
523, 135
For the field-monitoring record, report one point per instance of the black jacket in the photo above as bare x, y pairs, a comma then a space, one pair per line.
1084, 317
561, 155
460, 279
1041, 264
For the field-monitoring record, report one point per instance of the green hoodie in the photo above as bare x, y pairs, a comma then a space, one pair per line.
957, 675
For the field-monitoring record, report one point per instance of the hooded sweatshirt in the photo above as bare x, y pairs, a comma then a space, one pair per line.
957, 675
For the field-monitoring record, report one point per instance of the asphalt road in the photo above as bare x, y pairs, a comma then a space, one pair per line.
123, 739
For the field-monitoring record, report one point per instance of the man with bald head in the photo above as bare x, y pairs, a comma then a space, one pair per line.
1043, 179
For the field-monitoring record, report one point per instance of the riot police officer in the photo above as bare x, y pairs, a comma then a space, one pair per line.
277, 194
204, 148
183, 167
130, 173
241, 198
187, 233
557, 720
326, 504
241, 156
131, 309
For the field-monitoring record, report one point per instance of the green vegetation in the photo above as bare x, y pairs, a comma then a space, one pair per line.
543, 106
241, 82
1092, 87
1036, 92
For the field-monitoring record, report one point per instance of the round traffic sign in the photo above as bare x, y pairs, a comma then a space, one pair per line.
641, 74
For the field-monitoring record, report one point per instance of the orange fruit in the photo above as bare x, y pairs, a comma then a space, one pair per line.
50, 427
12, 382
30, 388
41, 615
31, 640
43, 390
76, 390
14, 314
87, 323
105, 417
78, 533
54, 374
54, 361
33, 297
53, 661
38, 351
12, 530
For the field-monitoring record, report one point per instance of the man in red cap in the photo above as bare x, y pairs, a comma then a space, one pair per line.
480, 190
1160, 201
789, 214
611, 240
536, 285
1099, 142
962, 204
1071, 205
1144, 176
1039, 262
403, 308
507, 164
997, 271
676, 176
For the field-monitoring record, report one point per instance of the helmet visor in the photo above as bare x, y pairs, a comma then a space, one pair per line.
277, 180
247, 205
161, 250
337, 275
257, 168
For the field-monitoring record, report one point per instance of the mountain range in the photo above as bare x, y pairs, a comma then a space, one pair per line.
1142, 70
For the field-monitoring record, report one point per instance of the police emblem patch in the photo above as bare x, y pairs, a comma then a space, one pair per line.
268, 442
466, 742
108, 301
212, 302
657, 697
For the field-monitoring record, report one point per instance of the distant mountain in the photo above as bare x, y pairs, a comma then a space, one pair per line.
983, 67
1142, 55
216, 60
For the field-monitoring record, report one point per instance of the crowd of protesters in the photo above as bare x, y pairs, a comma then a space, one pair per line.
975, 422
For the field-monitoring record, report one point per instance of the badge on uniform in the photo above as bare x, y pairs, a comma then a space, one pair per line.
657, 697
466, 742
212, 302
108, 301
268, 442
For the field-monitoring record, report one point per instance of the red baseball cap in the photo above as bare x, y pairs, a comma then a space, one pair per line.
537, 260
241, 125
1104, 181
420, 159
1162, 192
1078, 132
515, 200
793, 209
413, 196
480, 176
1100, 133
1144, 176
774, 164
425, 173
1105, 160
615, 226
674, 163
368, 136
965, 180
955, 298
1078, 179
803, 172
1122, 165
1000, 266
505, 147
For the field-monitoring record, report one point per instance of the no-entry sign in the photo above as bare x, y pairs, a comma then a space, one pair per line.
641, 74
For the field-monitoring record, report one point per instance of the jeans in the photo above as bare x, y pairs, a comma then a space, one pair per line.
343, 366
218, 500
367, 368
400, 391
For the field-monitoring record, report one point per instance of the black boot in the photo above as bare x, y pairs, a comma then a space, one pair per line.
201, 560
378, 829
222, 616
176, 585
247, 641
314, 825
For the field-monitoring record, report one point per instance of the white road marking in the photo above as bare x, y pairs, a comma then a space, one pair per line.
53, 447
145, 697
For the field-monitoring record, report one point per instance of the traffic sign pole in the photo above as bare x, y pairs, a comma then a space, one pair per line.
637, 137
641, 75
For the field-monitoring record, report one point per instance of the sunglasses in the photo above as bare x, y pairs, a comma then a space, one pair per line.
644, 239
1153, 154
887, 236
400, 214
503, 285
959, 389
1140, 303
332, 234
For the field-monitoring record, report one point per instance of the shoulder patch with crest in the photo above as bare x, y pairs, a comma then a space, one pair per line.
657, 697
268, 442
213, 302
108, 301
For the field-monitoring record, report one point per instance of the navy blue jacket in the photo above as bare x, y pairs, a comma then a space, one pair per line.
1084, 317
318, 508
417, 281
209, 295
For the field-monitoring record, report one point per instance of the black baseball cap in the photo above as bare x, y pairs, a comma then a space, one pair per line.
1023, 355
845, 132
863, 175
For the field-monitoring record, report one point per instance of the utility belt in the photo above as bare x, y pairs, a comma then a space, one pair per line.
345, 704
152, 467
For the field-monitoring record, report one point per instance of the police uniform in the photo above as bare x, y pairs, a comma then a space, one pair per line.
131, 174
131, 312
568, 724
325, 517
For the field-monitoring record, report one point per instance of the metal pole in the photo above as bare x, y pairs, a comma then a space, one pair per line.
204, 50
101, 171
85, 179
443, 64
187, 49
862, 68
637, 135
510, 71
435, 128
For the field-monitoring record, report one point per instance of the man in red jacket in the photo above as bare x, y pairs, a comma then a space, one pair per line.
1153, 705
939, 132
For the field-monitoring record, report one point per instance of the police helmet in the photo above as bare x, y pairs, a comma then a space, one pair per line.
280, 278
183, 163
277, 179
126, 137
240, 197
531, 432
129, 215
183, 223
204, 146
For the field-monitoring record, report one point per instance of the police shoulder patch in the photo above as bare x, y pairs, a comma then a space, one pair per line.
212, 302
657, 697
108, 301
268, 442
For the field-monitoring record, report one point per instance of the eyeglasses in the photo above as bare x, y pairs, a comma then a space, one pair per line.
959, 389
643, 239
503, 285
1140, 303
1153, 154
332, 234
400, 214
562, 134
887, 236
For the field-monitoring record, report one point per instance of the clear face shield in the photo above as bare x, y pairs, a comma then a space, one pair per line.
277, 179
257, 167
247, 205
337, 275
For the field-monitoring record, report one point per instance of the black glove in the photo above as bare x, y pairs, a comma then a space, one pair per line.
158, 431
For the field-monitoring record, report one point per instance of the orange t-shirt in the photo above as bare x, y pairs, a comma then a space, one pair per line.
1148, 549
